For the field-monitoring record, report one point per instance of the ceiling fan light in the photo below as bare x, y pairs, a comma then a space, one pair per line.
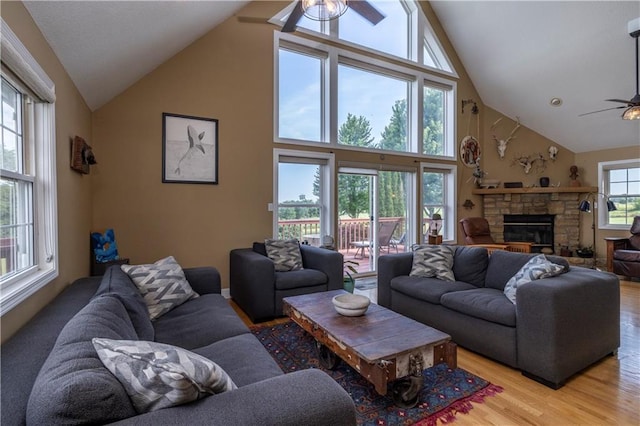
632, 113
324, 10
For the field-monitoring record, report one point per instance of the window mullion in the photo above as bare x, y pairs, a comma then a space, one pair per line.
332, 94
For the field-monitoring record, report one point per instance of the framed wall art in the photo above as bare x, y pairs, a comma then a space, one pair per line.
470, 151
189, 149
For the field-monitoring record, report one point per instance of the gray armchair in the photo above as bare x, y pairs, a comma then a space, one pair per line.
258, 289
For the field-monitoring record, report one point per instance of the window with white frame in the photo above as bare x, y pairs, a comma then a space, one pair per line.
302, 186
28, 220
355, 29
334, 96
620, 181
439, 196
300, 87
372, 108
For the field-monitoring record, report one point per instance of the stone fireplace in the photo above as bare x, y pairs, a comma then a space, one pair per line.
561, 206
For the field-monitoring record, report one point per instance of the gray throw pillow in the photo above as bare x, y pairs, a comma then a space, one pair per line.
285, 254
537, 268
162, 284
156, 375
433, 261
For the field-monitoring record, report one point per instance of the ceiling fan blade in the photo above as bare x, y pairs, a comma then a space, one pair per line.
618, 100
366, 10
601, 110
294, 17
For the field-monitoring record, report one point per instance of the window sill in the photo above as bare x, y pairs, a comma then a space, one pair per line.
14, 293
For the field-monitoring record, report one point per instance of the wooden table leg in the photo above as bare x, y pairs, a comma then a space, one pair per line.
447, 353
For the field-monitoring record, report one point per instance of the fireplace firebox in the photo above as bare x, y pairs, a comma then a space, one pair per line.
531, 228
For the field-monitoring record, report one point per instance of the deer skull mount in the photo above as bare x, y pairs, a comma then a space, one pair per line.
501, 144
529, 162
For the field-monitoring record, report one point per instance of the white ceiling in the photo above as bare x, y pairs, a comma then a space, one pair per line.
518, 54
106, 46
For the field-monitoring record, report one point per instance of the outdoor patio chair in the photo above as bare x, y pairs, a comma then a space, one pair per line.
385, 235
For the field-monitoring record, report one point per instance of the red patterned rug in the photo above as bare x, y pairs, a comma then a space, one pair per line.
446, 392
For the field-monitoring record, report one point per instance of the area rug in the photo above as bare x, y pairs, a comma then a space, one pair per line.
447, 392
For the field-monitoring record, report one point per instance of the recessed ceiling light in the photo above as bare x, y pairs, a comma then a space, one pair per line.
556, 102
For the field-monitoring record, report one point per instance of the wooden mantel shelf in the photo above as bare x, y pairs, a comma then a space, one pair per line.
536, 190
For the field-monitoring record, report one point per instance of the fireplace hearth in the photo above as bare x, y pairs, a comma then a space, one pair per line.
531, 228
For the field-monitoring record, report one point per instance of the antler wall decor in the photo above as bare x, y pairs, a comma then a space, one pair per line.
502, 143
536, 162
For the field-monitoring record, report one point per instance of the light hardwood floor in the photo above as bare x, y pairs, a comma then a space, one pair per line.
607, 393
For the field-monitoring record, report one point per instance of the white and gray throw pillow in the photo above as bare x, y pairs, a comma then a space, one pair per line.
162, 285
156, 375
537, 268
433, 261
285, 254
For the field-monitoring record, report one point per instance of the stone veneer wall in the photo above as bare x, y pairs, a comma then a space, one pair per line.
563, 205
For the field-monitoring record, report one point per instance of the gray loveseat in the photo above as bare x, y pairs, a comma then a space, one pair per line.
258, 288
51, 374
557, 327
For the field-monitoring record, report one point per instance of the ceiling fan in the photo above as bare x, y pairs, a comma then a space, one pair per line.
324, 10
632, 106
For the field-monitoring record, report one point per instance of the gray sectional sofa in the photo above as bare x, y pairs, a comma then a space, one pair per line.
557, 327
52, 375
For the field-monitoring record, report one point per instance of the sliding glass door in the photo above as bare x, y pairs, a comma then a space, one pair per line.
374, 214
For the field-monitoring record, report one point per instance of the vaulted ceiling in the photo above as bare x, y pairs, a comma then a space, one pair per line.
518, 54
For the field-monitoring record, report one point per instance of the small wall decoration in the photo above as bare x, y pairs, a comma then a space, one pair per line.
553, 153
501, 144
470, 151
535, 162
81, 155
573, 175
189, 149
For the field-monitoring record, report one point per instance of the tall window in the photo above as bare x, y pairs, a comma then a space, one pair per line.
16, 188
356, 73
322, 88
433, 123
300, 95
302, 184
28, 222
439, 196
372, 109
621, 182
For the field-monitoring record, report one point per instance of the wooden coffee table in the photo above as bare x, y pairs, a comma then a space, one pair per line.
381, 345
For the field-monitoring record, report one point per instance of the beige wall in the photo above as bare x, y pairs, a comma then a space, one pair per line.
587, 163
74, 191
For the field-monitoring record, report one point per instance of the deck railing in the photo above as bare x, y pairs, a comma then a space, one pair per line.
349, 230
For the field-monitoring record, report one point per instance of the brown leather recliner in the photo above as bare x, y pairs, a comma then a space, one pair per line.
477, 233
623, 254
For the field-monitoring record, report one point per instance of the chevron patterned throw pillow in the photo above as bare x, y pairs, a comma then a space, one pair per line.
433, 261
162, 284
156, 375
537, 268
285, 254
